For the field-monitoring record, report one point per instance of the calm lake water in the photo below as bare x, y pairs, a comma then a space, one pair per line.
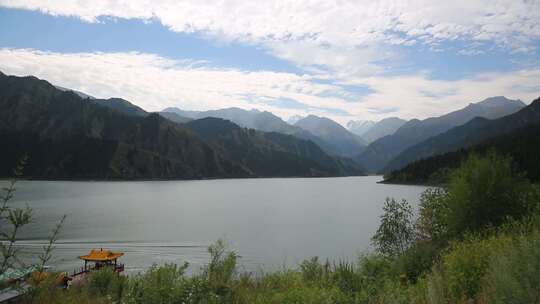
269, 222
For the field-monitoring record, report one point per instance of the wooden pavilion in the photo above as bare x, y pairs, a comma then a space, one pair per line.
102, 258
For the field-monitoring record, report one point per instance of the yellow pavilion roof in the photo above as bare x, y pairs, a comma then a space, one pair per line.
101, 255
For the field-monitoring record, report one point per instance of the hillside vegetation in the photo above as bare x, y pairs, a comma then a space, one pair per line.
66, 136
522, 145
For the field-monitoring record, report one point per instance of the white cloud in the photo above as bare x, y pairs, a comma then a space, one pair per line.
420, 97
154, 82
348, 37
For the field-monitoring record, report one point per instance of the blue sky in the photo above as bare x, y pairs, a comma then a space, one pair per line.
345, 60
68, 34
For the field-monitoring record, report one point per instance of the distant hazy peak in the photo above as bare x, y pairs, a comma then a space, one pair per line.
360, 127
320, 118
266, 113
344, 142
358, 123
392, 119
238, 109
310, 117
384, 127
294, 119
496, 101
383, 150
170, 109
318, 122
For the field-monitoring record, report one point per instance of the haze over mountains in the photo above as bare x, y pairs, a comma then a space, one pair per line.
359, 127
516, 135
370, 131
380, 152
253, 119
340, 139
293, 119
471, 133
327, 134
386, 139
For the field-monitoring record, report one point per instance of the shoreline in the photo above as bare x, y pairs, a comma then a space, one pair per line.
427, 184
173, 179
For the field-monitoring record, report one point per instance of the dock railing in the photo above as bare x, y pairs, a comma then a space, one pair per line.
116, 268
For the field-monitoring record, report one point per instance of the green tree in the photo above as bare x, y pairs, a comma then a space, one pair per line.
431, 224
486, 191
396, 231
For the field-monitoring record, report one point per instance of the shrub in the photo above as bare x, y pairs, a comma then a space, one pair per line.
346, 278
467, 262
165, 284
311, 294
221, 269
392, 292
486, 192
513, 275
434, 288
374, 271
312, 270
417, 260
106, 282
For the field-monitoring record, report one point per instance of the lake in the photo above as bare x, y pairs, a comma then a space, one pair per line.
268, 222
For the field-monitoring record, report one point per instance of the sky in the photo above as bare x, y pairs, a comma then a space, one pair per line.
346, 60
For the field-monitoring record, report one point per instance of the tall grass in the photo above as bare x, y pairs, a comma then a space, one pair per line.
502, 268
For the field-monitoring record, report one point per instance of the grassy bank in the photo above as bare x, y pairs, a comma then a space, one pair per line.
501, 268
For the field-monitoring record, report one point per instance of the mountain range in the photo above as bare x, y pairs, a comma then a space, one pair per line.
253, 119
471, 133
342, 144
269, 153
379, 153
69, 136
370, 131
342, 141
516, 135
